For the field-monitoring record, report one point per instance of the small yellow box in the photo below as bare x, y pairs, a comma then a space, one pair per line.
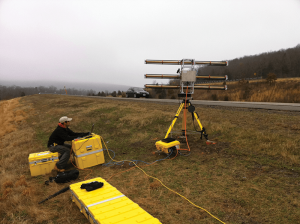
107, 205
165, 145
42, 163
88, 151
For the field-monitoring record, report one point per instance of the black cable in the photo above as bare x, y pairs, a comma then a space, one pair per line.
54, 195
182, 154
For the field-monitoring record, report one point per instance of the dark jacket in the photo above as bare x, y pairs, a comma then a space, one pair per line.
60, 135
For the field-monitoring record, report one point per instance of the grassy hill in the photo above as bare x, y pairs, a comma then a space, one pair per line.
284, 90
252, 174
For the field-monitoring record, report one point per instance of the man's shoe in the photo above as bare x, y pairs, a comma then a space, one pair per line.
59, 170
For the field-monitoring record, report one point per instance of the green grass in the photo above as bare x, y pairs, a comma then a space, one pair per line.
251, 175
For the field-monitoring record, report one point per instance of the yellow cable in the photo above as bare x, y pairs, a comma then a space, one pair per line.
163, 184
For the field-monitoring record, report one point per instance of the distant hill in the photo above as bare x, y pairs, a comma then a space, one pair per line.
70, 85
12, 89
284, 63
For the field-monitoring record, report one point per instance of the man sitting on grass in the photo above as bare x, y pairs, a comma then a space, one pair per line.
57, 140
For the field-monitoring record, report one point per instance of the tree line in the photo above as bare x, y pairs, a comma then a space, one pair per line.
106, 93
284, 63
9, 92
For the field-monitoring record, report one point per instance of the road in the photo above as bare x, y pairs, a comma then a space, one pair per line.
254, 105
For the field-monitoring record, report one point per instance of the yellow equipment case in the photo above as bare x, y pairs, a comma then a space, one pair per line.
88, 151
42, 163
165, 144
107, 205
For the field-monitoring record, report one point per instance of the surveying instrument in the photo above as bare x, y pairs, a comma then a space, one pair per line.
187, 75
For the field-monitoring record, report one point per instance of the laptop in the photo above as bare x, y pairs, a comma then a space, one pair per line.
89, 136
92, 129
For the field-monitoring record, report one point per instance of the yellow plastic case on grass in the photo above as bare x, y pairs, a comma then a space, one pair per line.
42, 163
107, 205
88, 151
164, 146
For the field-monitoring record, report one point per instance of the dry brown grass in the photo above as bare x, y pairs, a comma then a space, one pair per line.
249, 176
7, 116
284, 91
284, 80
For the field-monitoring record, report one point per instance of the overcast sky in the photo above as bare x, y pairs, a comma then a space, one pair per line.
107, 41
